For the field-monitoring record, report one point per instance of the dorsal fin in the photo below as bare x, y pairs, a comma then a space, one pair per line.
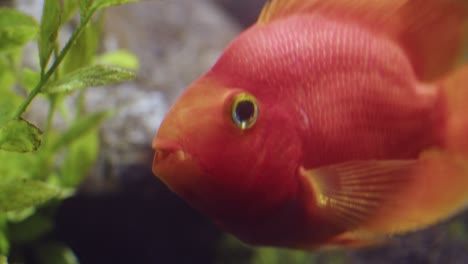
430, 31
275, 9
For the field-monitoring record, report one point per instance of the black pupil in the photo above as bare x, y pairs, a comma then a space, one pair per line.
245, 110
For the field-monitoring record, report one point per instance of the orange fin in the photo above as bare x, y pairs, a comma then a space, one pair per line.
275, 9
431, 32
440, 191
356, 240
456, 95
373, 200
350, 194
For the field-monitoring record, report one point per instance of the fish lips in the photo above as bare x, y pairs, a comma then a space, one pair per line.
176, 168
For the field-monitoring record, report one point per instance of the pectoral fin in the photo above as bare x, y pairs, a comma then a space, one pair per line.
350, 194
371, 200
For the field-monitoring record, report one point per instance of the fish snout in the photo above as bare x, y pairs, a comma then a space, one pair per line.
164, 149
167, 154
175, 166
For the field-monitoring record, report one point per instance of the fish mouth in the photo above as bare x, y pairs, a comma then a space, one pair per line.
168, 155
176, 168
164, 149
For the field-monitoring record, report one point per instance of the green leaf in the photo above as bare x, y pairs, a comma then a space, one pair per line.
20, 215
9, 102
232, 249
34, 165
80, 158
18, 165
80, 128
54, 179
7, 80
7, 76
95, 75
265, 255
84, 6
83, 50
99, 4
457, 230
31, 228
120, 58
69, 10
3, 260
4, 241
56, 253
4, 244
50, 24
19, 135
16, 29
18, 194
30, 79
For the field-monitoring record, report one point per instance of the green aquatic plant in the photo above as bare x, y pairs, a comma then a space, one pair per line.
458, 230
280, 256
232, 250
42, 164
277, 256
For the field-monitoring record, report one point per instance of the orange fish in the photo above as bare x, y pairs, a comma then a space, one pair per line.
327, 123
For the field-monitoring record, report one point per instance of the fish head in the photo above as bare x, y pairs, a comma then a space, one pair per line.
222, 150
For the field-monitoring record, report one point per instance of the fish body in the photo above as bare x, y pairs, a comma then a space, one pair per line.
325, 124
387, 114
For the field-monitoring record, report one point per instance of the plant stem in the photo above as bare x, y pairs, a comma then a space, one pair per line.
56, 53
45, 78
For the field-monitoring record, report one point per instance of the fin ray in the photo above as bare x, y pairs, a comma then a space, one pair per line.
354, 201
410, 195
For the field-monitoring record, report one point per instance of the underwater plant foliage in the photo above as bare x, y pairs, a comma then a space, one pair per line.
42, 163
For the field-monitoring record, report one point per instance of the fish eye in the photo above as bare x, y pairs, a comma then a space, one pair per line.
244, 111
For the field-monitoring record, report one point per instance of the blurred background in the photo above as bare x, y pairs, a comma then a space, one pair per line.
122, 213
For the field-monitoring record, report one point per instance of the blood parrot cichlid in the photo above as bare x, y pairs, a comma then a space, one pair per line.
327, 123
